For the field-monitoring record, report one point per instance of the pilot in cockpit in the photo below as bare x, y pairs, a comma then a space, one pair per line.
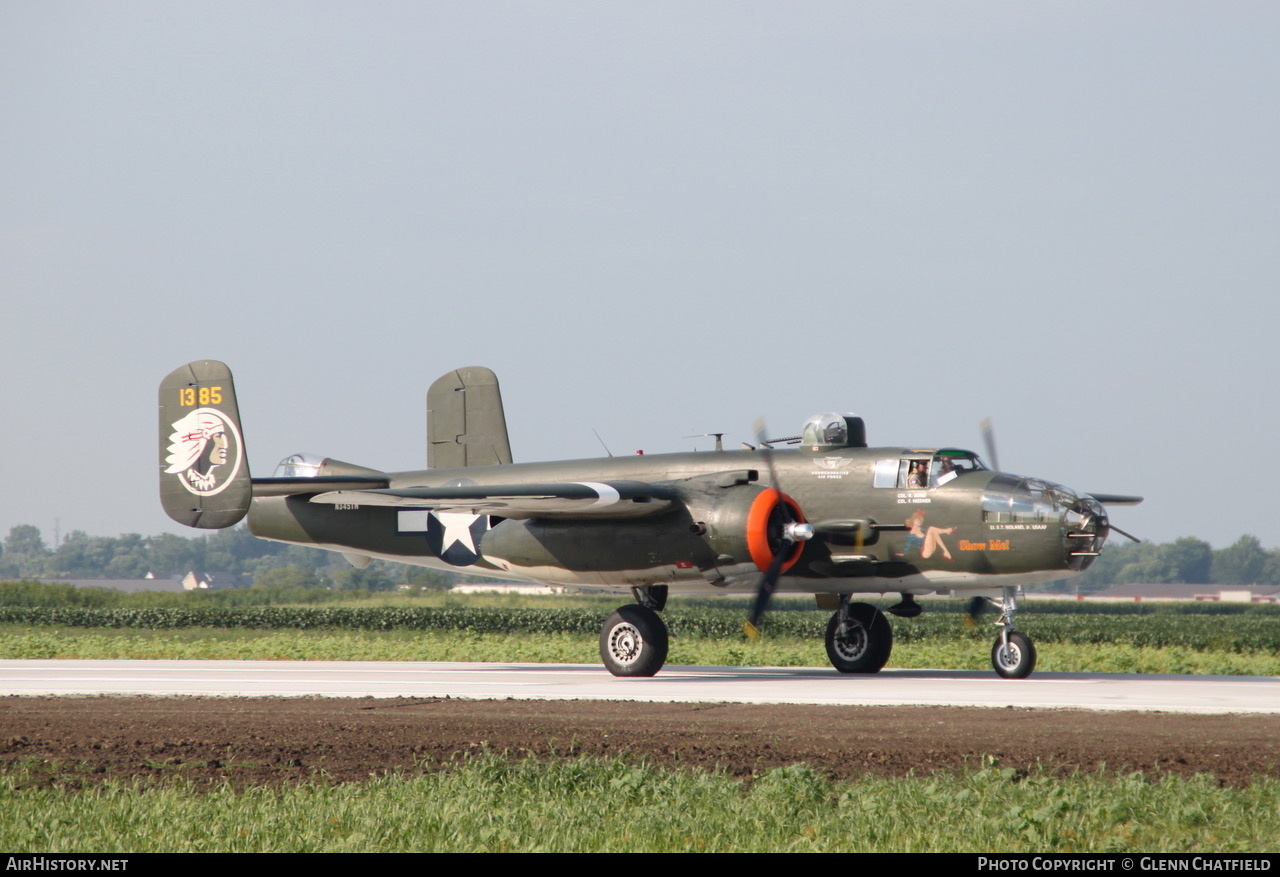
918, 475
948, 468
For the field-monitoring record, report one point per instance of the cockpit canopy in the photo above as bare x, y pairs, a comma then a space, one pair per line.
831, 430
314, 465
299, 466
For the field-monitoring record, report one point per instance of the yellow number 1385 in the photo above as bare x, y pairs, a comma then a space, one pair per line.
202, 395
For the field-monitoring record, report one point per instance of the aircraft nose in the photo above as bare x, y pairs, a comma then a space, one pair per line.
1085, 530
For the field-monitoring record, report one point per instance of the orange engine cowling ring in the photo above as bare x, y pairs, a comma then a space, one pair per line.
769, 512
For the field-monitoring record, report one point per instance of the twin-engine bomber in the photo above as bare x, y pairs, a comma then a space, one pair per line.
831, 517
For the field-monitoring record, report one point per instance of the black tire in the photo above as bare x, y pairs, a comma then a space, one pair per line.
867, 643
1017, 660
633, 642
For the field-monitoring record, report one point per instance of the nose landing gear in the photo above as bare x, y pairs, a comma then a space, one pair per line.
1013, 655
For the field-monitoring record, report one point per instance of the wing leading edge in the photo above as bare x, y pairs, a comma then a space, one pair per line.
568, 499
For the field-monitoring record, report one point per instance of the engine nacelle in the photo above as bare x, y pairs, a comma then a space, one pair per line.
725, 530
745, 521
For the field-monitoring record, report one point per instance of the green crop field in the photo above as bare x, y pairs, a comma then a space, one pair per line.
1072, 637
957, 652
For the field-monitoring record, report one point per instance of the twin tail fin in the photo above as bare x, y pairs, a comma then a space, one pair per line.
204, 470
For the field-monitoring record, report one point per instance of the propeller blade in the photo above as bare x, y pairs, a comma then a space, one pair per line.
792, 533
764, 591
974, 611
766, 450
1123, 533
1116, 499
989, 437
768, 584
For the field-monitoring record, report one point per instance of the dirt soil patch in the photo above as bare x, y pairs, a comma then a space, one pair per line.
252, 741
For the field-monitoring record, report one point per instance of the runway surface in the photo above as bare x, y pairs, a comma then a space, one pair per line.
781, 685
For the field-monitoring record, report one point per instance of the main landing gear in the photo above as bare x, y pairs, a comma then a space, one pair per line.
633, 641
859, 638
1013, 655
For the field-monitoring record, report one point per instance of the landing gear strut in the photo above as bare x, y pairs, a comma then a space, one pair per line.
633, 641
859, 638
1013, 655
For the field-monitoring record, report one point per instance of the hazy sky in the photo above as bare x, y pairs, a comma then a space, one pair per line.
651, 219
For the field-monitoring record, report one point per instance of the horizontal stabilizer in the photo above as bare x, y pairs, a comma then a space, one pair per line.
572, 499
315, 484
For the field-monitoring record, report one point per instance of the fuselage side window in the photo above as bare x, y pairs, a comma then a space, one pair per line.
885, 474
904, 474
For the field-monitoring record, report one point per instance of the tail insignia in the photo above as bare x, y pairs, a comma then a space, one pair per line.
205, 451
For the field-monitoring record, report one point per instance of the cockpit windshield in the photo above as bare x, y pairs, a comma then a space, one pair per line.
950, 463
920, 469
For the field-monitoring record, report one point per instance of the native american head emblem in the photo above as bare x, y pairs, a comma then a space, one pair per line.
204, 451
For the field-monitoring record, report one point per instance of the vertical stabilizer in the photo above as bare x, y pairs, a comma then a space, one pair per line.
465, 422
204, 471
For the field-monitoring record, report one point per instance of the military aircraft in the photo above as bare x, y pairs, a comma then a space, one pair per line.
831, 517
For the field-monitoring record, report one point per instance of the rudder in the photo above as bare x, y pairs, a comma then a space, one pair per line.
465, 422
204, 470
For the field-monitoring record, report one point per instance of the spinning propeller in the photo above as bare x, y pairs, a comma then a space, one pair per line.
792, 529
989, 438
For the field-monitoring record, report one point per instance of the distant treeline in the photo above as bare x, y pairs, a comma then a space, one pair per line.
24, 555
1187, 560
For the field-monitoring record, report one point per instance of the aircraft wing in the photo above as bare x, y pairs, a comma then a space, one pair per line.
565, 499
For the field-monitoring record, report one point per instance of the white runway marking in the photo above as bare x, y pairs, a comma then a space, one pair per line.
1206, 694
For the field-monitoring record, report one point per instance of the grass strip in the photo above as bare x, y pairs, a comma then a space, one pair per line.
491, 803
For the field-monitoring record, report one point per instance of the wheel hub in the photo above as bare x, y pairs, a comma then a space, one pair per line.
853, 643
625, 643
1009, 655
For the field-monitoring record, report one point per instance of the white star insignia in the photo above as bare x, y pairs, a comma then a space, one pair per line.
457, 530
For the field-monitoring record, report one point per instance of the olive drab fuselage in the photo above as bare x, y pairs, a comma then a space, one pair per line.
700, 544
